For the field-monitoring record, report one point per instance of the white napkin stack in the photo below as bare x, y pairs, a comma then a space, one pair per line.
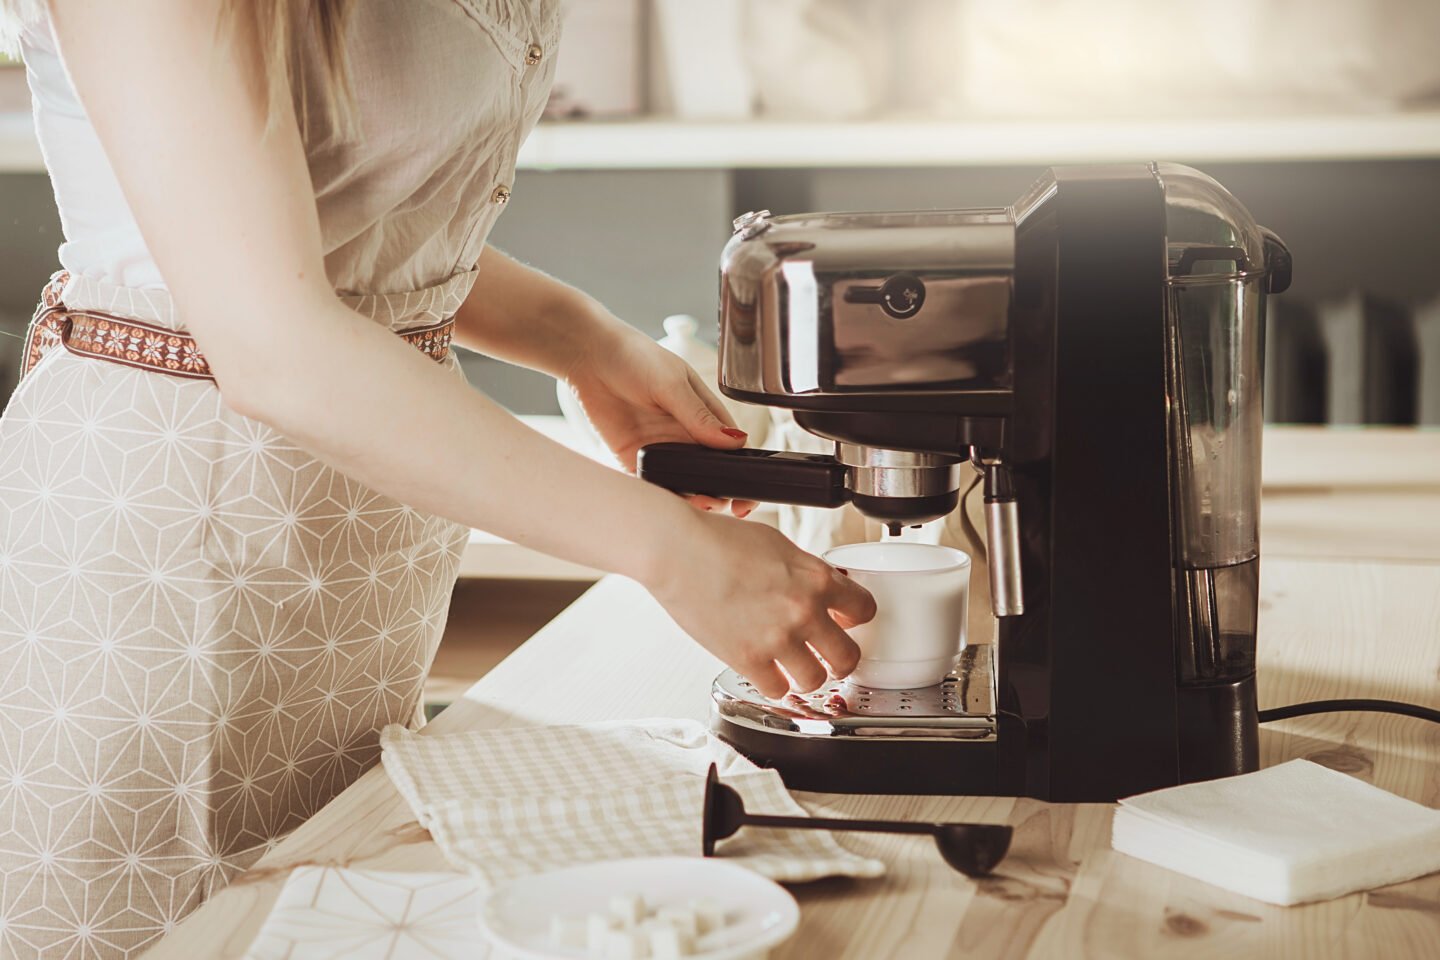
1289, 834
325, 913
507, 803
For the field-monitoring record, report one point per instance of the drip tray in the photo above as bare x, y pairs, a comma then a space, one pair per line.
961, 707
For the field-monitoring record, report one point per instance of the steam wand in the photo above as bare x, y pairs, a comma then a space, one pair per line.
1002, 534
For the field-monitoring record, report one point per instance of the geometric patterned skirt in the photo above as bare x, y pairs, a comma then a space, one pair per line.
202, 631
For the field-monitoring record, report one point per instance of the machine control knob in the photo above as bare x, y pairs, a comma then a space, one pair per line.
900, 297
752, 224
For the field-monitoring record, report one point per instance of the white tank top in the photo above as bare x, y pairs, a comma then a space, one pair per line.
446, 90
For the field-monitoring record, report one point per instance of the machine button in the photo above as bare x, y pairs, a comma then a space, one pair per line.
901, 296
534, 53
500, 195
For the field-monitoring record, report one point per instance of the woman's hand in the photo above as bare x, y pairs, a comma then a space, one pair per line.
761, 604
635, 392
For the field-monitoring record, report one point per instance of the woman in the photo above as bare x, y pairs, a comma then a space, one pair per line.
235, 482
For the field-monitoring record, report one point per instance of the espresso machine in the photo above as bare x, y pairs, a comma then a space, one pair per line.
1094, 351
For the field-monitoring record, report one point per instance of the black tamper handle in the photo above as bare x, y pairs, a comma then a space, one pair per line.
772, 476
972, 848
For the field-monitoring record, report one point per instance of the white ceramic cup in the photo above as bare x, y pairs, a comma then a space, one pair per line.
922, 598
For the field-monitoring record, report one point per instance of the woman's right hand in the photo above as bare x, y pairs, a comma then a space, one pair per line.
758, 602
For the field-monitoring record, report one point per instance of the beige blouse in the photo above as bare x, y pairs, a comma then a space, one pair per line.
407, 202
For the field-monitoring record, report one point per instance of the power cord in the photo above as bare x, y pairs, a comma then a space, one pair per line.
1340, 706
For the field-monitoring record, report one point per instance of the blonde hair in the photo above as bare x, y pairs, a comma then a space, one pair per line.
278, 26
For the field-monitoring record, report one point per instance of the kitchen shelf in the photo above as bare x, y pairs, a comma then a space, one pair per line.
665, 144
673, 145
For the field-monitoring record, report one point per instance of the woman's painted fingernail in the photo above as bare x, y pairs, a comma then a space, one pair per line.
732, 432
843, 571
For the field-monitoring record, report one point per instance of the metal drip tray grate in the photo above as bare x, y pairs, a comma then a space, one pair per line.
960, 707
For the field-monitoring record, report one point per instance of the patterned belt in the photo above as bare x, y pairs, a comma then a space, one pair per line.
133, 343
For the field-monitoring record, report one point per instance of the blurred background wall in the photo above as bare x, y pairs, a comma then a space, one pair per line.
670, 117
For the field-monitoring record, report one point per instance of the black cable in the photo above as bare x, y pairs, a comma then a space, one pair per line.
1339, 706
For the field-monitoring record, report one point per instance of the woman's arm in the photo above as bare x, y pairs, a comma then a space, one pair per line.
526, 317
228, 212
634, 391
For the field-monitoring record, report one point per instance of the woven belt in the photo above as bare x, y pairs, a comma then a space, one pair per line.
133, 343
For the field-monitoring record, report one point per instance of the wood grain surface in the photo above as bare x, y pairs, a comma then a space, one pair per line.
1368, 493
1328, 629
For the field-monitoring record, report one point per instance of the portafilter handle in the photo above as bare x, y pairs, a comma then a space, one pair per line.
772, 476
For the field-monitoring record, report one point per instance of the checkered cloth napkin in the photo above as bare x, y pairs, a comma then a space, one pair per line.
506, 803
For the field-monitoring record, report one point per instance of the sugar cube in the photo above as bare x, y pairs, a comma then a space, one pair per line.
625, 945
680, 918
628, 909
567, 932
709, 915
598, 927
667, 942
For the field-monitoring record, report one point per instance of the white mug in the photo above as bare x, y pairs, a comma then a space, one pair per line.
922, 598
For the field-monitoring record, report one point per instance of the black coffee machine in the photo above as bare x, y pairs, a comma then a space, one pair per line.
1095, 351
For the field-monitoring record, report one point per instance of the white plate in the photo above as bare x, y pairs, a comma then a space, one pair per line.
761, 913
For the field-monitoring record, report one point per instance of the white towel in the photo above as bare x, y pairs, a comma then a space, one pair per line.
1289, 834
506, 803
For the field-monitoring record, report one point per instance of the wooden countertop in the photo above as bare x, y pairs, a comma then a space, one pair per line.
1340, 617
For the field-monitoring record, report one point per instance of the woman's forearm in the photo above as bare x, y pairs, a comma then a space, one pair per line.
522, 315
431, 441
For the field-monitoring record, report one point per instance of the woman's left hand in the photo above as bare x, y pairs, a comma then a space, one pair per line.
635, 392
